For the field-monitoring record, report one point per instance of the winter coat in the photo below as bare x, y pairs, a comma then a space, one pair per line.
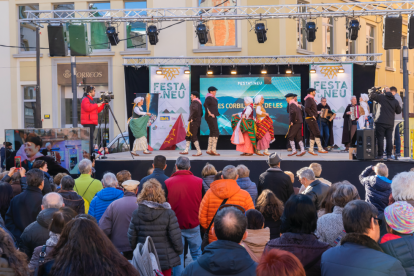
116, 219
207, 180
305, 247
246, 184
359, 255
220, 190
383, 227
23, 210
323, 180
89, 111
317, 192
48, 181
377, 188
277, 181
157, 174
387, 107
403, 250
73, 200
50, 244
37, 233
330, 227
87, 187
160, 223
222, 258
102, 200
256, 241
184, 195
274, 227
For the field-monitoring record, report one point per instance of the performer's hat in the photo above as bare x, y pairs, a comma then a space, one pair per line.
274, 159
310, 90
195, 93
130, 185
290, 95
212, 88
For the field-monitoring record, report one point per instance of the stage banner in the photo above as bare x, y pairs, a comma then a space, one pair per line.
173, 87
337, 88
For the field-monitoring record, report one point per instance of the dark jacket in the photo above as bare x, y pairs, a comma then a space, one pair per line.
102, 200
211, 104
277, 181
157, 174
16, 186
305, 247
310, 107
222, 258
160, 223
274, 227
207, 180
359, 255
23, 210
403, 250
47, 188
317, 192
377, 188
196, 112
295, 114
37, 233
2, 157
246, 184
73, 200
387, 107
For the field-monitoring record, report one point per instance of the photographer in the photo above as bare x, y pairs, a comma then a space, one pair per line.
89, 113
387, 107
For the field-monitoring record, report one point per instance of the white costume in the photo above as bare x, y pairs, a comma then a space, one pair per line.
141, 142
364, 105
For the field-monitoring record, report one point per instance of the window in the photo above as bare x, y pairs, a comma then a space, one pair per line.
388, 59
403, 43
65, 7
301, 31
328, 35
97, 32
350, 44
136, 31
221, 33
370, 35
29, 102
27, 31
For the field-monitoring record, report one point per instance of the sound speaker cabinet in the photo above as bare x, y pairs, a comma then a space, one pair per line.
392, 33
58, 44
411, 32
78, 37
365, 144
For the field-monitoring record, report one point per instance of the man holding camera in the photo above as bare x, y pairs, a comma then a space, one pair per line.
387, 107
89, 113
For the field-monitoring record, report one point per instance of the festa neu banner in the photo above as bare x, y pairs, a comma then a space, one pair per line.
337, 88
173, 87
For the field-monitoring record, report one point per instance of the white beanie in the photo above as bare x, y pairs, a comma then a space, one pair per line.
248, 100
257, 99
138, 100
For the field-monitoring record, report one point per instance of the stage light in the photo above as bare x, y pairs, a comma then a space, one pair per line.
210, 72
353, 29
341, 70
187, 72
158, 72
202, 32
260, 30
152, 33
112, 35
312, 71
288, 71
233, 71
310, 31
264, 71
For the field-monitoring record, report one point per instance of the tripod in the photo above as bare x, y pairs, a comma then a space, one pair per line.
108, 109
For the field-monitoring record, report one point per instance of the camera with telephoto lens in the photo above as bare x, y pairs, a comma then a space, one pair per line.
378, 90
107, 96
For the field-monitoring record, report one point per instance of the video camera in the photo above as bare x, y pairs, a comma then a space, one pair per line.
378, 90
107, 96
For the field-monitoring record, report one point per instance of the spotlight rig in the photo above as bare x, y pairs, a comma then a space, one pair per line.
112, 35
353, 29
202, 32
310, 31
152, 33
261, 29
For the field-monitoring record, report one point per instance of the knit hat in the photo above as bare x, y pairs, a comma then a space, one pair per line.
400, 217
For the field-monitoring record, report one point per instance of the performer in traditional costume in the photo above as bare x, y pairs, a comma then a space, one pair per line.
325, 123
196, 112
244, 133
351, 116
264, 125
311, 115
295, 125
138, 125
364, 111
211, 106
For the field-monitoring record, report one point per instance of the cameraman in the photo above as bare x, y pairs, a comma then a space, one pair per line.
387, 107
89, 113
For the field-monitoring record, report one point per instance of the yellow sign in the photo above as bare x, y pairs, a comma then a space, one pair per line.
170, 73
330, 71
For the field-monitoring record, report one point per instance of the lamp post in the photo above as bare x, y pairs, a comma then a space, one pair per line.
406, 103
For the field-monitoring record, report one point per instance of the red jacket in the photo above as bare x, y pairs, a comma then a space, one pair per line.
89, 111
184, 196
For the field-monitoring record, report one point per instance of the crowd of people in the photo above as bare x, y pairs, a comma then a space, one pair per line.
229, 225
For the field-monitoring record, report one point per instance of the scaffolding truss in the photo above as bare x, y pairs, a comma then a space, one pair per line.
368, 59
350, 9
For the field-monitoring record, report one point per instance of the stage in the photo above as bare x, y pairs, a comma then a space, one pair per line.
336, 165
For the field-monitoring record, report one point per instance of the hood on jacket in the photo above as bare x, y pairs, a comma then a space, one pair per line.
150, 211
244, 182
389, 96
225, 258
382, 183
71, 195
257, 239
44, 218
224, 188
109, 194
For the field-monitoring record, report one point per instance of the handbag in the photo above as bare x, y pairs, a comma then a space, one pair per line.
205, 241
42, 256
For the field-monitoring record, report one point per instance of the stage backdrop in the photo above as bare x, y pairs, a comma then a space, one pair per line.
337, 88
173, 87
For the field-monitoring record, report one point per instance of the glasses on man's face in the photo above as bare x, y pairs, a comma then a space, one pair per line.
232, 205
379, 221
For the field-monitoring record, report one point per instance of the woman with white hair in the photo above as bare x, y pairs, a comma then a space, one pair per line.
244, 129
264, 134
363, 110
138, 124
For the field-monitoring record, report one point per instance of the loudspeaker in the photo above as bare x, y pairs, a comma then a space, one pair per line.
365, 144
58, 44
411, 32
78, 37
392, 33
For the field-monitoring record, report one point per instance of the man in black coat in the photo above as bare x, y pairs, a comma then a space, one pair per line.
37, 233
275, 180
385, 112
196, 112
314, 189
211, 106
25, 207
295, 125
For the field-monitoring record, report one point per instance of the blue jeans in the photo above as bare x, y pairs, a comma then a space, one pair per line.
193, 238
397, 140
324, 129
